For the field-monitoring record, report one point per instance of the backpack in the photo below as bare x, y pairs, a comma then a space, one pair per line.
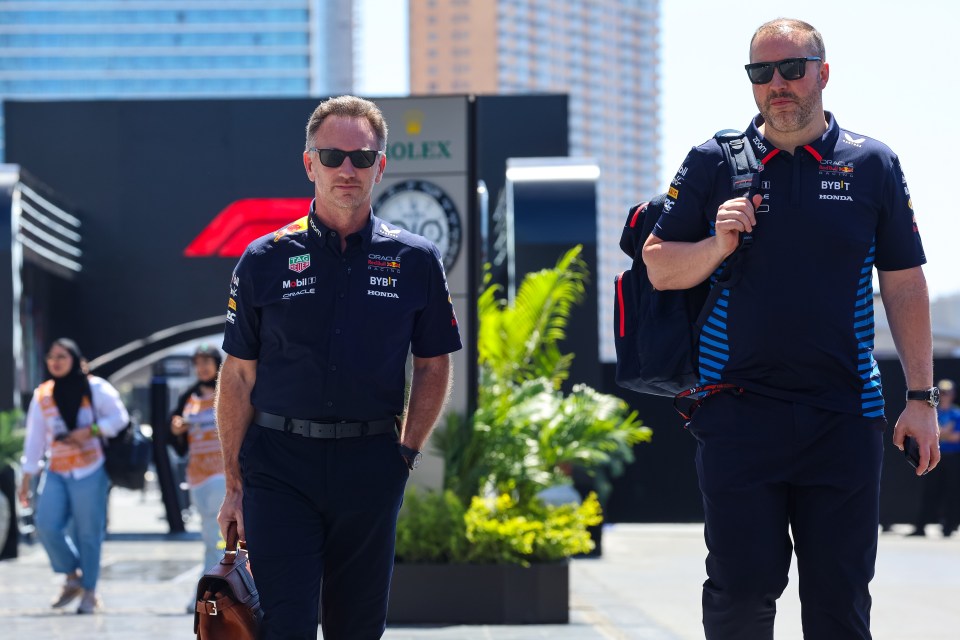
656, 333
126, 455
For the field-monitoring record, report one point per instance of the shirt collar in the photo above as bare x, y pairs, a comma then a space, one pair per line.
822, 146
324, 234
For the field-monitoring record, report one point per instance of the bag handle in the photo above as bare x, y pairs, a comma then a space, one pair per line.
234, 545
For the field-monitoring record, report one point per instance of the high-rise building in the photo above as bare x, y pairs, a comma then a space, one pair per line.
82, 49
603, 53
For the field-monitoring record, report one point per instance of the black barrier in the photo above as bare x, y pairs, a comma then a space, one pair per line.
159, 403
8, 492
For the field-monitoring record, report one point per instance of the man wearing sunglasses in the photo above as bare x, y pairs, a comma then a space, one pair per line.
790, 460
320, 319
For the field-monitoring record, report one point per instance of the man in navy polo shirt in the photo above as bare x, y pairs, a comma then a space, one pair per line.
321, 316
791, 459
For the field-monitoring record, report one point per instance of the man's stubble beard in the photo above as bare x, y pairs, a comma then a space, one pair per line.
795, 120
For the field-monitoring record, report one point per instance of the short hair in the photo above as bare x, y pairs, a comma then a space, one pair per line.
783, 25
946, 386
348, 107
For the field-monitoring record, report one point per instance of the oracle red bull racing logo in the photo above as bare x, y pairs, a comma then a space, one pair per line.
376, 262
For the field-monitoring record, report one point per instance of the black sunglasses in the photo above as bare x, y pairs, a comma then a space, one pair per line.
333, 158
790, 69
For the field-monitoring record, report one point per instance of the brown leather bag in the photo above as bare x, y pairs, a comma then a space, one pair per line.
228, 605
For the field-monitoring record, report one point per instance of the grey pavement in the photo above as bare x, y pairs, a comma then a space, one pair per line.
646, 586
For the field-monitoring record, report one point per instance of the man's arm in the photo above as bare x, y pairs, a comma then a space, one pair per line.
682, 265
907, 305
429, 390
234, 414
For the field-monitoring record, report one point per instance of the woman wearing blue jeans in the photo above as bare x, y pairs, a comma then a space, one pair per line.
68, 415
194, 428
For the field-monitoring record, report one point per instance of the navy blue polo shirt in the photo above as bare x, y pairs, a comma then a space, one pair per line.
331, 331
799, 325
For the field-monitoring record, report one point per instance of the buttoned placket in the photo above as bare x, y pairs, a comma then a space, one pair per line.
338, 347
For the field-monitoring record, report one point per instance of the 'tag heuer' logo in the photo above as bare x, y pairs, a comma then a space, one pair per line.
242, 222
299, 263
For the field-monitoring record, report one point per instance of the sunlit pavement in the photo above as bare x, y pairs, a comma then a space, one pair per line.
646, 585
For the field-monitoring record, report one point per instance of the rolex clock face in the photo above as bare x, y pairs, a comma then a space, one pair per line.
425, 209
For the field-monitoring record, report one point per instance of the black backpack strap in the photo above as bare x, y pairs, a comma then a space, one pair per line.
740, 159
744, 175
744, 181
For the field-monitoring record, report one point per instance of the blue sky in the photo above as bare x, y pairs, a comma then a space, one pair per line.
890, 79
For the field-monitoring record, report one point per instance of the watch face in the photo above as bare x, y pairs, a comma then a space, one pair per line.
425, 209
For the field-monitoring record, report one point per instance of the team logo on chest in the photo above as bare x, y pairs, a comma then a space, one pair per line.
835, 189
837, 168
377, 262
835, 183
387, 287
299, 264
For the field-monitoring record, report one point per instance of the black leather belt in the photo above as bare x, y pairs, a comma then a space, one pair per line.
313, 429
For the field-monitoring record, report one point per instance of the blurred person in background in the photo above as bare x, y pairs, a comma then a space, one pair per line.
194, 430
68, 415
940, 497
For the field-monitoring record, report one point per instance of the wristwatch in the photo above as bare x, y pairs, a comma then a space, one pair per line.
931, 396
411, 456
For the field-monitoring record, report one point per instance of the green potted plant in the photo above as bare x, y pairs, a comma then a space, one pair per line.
488, 547
11, 446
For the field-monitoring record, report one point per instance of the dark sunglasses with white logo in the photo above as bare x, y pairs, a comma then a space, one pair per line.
360, 158
789, 68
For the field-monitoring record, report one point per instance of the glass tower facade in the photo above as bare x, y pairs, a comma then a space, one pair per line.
77, 49
603, 53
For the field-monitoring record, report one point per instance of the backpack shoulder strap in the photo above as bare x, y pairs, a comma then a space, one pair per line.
744, 169
740, 159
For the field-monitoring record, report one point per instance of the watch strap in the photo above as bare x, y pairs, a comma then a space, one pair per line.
411, 455
408, 452
931, 396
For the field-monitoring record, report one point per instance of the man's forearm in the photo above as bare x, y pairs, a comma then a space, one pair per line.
234, 414
681, 265
429, 390
907, 306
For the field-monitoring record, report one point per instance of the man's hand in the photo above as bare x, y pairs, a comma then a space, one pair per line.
734, 217
919, 421
234, 413
682, 265
907, 306
429, 389
230, 518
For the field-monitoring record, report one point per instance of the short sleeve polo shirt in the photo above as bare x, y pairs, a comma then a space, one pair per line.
331, 331
799, 324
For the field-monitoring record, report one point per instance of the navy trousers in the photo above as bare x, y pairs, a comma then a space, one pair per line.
320, 516
779, 477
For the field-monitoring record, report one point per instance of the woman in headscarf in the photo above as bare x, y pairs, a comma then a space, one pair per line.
69, 414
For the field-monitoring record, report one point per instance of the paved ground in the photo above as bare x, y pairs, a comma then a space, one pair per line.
645, 587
